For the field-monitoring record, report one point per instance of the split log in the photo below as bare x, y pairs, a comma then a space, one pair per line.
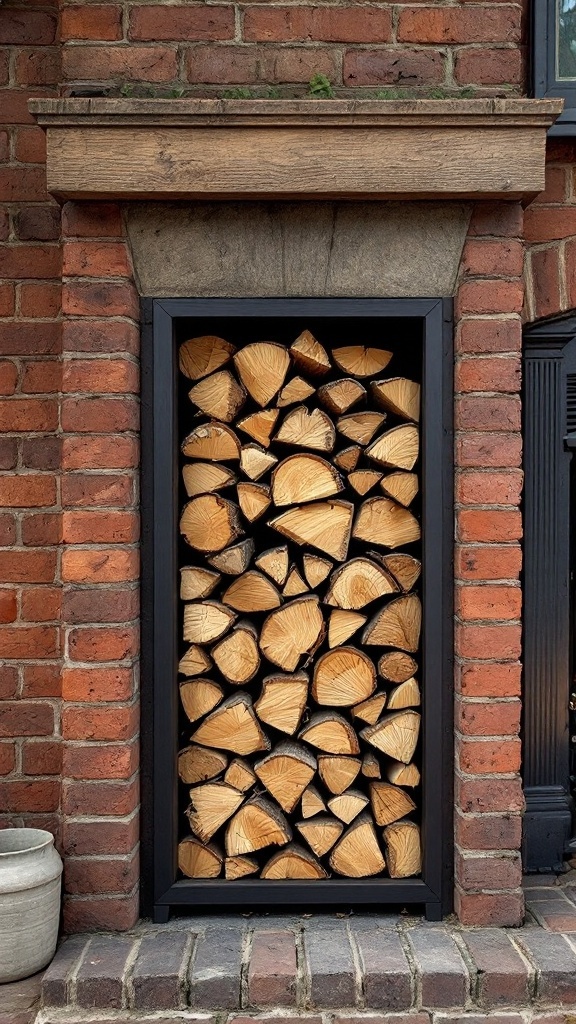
348, 805
233, 726
307, 429
403, 774
259, 425
304, 478
401, 486
297, 390
206, 621
200, 356
398, 448
395, 734
357, 854
396, 666
389, 803
337, 773
398, 395
406, 695
316, 569
239, 867
363, 480
286, 772
194, 662
257, 824
210, 806
371, 766
253, 499
341, 395
293, 862
237, 656
252, 592
404, 568
239, 774
360, 426
320, 833
234, 560
210, 523
282, 701
359, 361
197, 764
347, 459
342, 626
324, 525
330, 733
206, 477
254, 461
262, 368
294, 584
403, 849
196, 860
197, 583
357, 583
212, 441
312, 803
199, 697
343, 677
219, 396
370, 710
382, 521
309, 355
294, 630
396, 625
275, 563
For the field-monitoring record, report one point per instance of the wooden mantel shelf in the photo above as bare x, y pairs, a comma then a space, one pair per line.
295, 149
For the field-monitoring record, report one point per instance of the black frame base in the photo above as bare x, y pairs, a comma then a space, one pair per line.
161, 889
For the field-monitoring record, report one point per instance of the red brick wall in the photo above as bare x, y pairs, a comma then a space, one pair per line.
69, 414
30, 370
211, 47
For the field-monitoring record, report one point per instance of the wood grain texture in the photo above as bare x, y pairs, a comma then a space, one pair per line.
333, 149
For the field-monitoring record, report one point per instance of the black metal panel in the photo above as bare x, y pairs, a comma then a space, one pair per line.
549, 358
545, 82
159, 724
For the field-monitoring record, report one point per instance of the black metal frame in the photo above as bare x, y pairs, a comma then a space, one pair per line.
159, 616
549, 358
545, 82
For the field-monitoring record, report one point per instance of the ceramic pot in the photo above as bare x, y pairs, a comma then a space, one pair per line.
30, 881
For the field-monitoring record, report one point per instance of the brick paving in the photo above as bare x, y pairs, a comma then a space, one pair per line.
322, 969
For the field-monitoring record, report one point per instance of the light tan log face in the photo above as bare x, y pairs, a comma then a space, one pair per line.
301, 615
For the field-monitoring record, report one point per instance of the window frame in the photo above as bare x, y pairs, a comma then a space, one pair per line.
545, 82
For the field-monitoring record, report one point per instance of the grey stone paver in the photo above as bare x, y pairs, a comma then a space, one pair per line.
330, 963
215, 970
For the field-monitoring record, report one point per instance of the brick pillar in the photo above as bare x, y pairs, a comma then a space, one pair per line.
100, 571
489, 797
30, 634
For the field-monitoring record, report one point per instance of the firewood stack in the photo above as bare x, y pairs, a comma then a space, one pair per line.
301, 621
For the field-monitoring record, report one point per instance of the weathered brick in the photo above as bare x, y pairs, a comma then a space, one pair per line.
99, 22
546, 281
272, 969
489, 831
443, 974
86, 876
502, 978
487, 450
215, 971
479, 757
385, 970
157, 975
56, 978
105, 643
83, 913
330, 964
100, 723
100, 604
489, 487
489, 562
110, 63
95, 259
99, 761
358, 24
394, 66
90, 414
99, 978
489, 602
92, 685
476, 796
192, 23
92, 220
488, 66
106, 798
91, 838
555, 964
100, 565
99, 452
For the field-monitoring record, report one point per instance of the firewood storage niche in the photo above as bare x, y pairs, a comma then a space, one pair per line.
299, 605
